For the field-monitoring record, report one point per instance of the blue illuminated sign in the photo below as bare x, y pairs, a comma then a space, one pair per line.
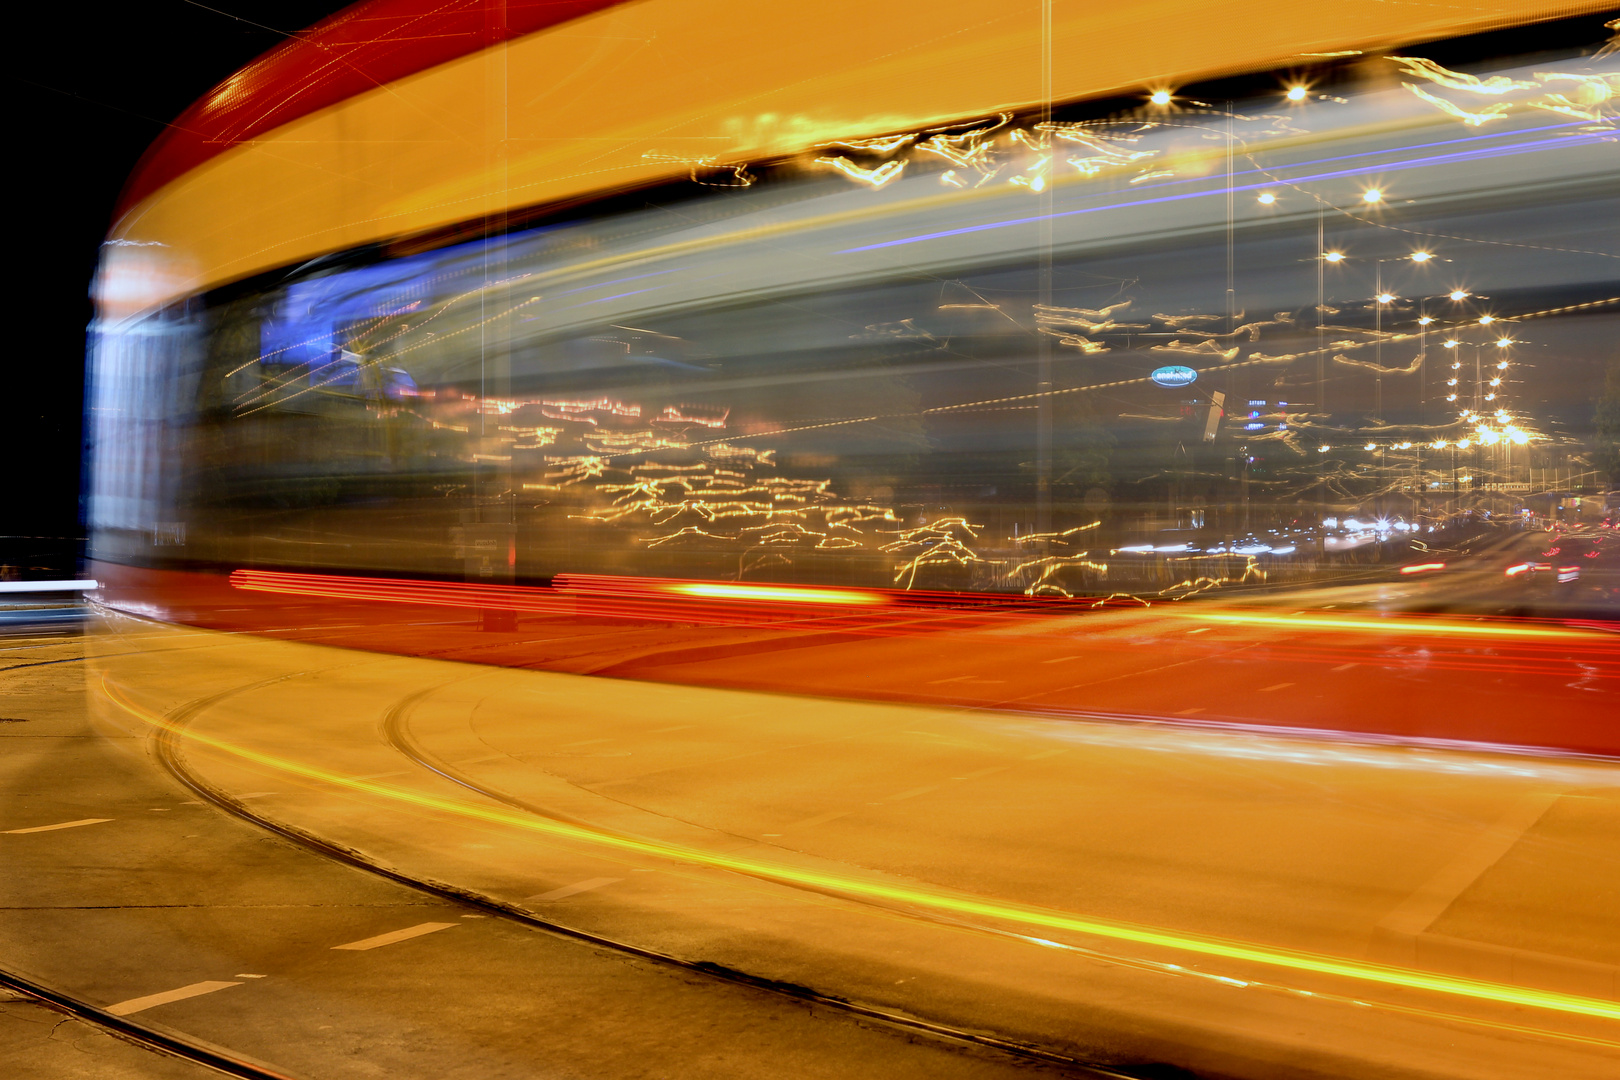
1174, 375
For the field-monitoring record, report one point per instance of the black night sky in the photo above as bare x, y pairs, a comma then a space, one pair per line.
90, 89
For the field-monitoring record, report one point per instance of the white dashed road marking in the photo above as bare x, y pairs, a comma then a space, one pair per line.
63, 825
577, 887
396, 935
819, 819
135, 1005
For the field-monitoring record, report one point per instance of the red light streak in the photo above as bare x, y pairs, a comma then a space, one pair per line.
1422, 568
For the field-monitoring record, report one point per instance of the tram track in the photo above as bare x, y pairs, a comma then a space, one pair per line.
147, 1036
169, 746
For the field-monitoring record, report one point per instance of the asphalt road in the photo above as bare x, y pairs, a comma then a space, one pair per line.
1233, 902
124, 891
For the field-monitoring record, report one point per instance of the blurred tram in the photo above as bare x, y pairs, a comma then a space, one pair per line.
1153, 302
1080, 527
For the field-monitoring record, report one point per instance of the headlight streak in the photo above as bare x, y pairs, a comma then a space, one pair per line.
932, 900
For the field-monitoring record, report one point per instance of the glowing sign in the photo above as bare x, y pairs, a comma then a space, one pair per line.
1174, 375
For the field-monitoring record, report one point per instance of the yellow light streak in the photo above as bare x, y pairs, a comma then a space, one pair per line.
719, 591
928, 899
876, 177
1457, 80
1384, 626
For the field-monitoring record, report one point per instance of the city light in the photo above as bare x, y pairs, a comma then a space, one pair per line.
1486, 320
1451, 344
1371, 195
1295, 93
1267, 198
1420, 256
1458, 294
1160, 97
1503, 343
1425, 321
1333, 256
1384, 298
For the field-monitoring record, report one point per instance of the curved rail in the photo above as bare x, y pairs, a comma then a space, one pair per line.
170, 753
172, 1044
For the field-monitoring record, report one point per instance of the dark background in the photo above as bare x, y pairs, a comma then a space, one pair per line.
90, 89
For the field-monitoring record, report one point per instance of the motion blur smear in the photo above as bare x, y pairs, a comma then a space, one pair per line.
1245, 442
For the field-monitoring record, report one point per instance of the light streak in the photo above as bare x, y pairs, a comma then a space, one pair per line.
1423, 568
1456, 80
876, 177
928, 899
776, 593
1386, 625
1494, 111
1473, 154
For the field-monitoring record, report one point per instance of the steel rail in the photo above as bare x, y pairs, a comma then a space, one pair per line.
170, 754
147, 1036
